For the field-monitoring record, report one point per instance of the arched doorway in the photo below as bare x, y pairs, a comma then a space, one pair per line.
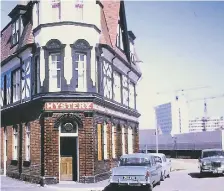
68, 148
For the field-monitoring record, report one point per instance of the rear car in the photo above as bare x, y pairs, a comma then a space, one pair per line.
165, 163
138, 169
211, 161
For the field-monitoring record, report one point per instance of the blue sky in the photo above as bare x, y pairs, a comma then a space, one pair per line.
182, 46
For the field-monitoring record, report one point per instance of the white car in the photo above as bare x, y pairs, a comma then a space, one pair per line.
165, 162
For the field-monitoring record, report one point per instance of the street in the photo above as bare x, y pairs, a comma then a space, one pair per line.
184, 180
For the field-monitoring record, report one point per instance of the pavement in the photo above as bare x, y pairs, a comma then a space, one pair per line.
184, 177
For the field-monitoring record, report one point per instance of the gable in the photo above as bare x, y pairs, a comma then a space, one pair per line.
24, 35
111, 12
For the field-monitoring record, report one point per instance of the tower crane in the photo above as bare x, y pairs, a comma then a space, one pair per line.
204, 119
182, 90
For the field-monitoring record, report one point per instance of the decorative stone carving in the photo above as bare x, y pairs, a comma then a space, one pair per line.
53, 44
68, 118
81, 44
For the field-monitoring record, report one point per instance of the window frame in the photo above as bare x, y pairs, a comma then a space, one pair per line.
117, 87
130, 140
105, 145
123, 140
113, 141
58, 71
83, 69
28, 138
15, 32
16, 90
15, 142
119, 37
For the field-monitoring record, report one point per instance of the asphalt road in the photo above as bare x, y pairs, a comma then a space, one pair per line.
186, 180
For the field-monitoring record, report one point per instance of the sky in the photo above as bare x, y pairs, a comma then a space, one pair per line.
181, 45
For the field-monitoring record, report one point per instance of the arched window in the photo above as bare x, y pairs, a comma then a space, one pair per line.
81, 53
54, 66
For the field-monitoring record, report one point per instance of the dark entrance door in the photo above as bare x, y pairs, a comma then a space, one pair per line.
68, 152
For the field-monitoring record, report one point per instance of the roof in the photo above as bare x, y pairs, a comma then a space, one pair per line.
206, 150
26, 38
158, 154
109, 20
142, 155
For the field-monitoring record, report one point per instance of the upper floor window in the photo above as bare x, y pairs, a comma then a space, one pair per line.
117, 87
54, 72
15, 32
125, 90
16, 85
15, 142
107, 79
119, 40
132, 95
80, 60
56, 10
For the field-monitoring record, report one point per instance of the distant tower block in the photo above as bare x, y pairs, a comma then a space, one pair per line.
23, 2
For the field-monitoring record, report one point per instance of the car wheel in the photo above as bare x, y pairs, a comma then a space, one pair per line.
168, 175
113, 187
158, 183
162, 178
148, 188
202, 174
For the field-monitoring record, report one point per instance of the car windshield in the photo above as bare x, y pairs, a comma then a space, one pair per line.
134, 162
213, 153
158, 159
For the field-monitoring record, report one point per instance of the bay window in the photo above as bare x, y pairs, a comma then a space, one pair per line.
54, 72
80, 63
15, 143
16, 85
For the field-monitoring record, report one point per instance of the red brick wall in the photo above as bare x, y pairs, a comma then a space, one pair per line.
2, 148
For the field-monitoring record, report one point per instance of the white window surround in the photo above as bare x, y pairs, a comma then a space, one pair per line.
130, 140
113, 142
105, 141
54, 72
123, 140
80, 60
15, 143
27, 142
16, 85
15, 31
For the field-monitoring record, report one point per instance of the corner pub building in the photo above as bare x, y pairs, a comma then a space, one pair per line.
69, 72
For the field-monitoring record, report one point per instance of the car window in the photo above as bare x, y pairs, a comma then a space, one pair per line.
135, 162
158, 159
212, 153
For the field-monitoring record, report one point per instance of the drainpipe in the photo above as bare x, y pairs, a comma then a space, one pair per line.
20, 125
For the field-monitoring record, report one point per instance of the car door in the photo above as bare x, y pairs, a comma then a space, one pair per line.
157, 168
